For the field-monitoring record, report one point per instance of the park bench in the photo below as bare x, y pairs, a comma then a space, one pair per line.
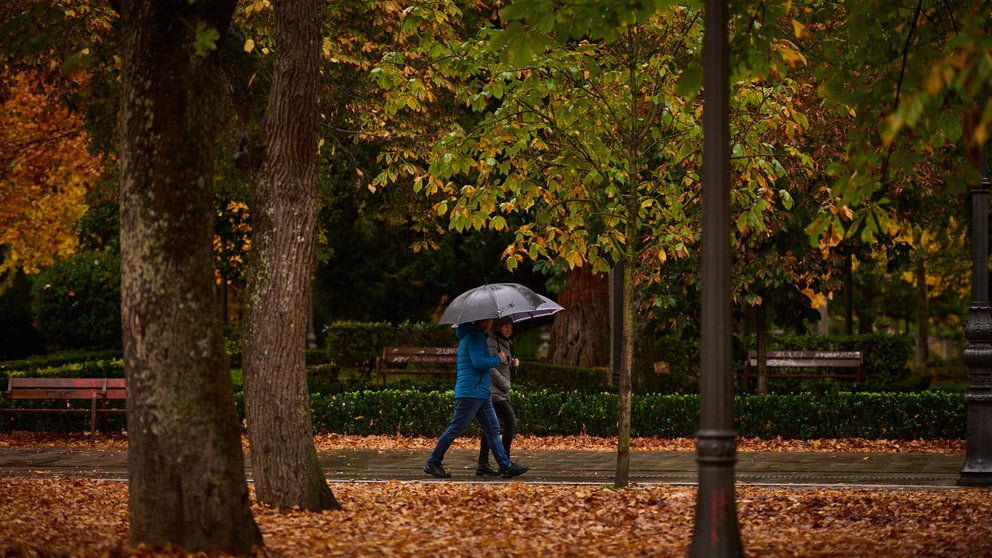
416, 360
98, 391
842, 365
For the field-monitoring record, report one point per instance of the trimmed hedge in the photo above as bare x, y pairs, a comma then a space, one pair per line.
106, 364
925, 415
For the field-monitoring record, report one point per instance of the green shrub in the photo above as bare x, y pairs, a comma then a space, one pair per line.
357, 345
383, 412
77, 302
886, 415
668, 416
18, 336
102, 364
538, 373
890, 415
682, 368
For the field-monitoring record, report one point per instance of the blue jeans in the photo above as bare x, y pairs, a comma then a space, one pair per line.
466, 410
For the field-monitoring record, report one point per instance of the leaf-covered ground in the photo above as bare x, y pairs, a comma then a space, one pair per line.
69, 517
337, 441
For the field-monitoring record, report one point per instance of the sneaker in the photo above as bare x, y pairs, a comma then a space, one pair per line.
436, 470
513, 470
484, 470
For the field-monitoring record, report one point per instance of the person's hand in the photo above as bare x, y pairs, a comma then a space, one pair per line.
502, 357
516, 362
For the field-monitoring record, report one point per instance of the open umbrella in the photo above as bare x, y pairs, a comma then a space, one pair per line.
497, 300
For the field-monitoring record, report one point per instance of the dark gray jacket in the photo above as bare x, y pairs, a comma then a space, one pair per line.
501, 374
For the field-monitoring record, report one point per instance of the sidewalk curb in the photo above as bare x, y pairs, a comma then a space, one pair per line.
794, 469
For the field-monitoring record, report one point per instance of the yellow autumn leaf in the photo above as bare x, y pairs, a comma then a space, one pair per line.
49, 174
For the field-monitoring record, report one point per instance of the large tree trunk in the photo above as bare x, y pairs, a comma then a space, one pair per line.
185, 465
284, 209
580, 335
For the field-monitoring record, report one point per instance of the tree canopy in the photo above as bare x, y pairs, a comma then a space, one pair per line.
48, 171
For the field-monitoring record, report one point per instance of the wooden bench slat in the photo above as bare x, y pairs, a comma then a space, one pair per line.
428, 351
809, 354
797, 376
420, 358
56, 393
823, 361
66, 389
394, 359
16, 381
808, 362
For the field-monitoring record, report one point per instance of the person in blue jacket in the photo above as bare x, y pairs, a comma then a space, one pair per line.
473, 400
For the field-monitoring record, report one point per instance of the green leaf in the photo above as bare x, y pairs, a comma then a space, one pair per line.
690, 82
786, 198
205, 39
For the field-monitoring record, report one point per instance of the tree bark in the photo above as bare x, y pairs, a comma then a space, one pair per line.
580, 336
761, 334
185, 466
284, 209
622, 478
848, 294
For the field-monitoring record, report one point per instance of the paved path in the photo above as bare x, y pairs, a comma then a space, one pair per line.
548, 466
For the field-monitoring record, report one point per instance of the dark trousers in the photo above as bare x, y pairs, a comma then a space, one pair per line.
508, 425
467, 410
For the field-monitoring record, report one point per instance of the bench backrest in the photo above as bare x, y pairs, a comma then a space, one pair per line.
432, 355
825, 359
66, 388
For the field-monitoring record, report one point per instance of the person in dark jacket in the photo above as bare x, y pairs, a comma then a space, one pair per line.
473, 400
500, 343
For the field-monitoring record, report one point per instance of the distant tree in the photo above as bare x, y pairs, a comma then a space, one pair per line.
906, 83
46, 173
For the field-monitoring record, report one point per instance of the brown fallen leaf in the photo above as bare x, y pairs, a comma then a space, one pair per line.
89, 518
326, 442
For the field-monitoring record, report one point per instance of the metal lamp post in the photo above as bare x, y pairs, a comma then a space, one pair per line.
716, 532
977, 469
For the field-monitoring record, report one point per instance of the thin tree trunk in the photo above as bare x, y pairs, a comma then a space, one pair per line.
922, 311
632, 203
848, 295
277, 401
761, 331
622, 478
186, 476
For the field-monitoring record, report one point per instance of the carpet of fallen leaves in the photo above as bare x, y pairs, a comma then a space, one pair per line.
338, 441
72, 517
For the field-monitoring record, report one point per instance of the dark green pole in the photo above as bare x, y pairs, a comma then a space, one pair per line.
716, 532
977, 469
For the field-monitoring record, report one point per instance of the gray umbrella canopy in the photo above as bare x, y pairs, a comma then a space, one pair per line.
496, 301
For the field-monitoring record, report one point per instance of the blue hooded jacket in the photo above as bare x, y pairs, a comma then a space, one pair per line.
474, 363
